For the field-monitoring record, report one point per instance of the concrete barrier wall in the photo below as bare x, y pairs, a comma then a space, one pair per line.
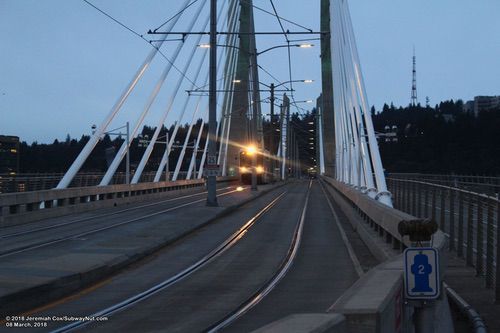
24, 207
375, 303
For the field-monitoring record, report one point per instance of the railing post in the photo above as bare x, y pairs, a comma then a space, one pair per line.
460, 239
497, 273
470, 232
408, 199
426, 201
452, 219
413, 199
479, 237
442, 210
419, 200
400, 190
402, 206
490, 244
433, 209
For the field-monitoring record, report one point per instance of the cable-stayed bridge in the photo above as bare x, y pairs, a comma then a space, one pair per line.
233, 232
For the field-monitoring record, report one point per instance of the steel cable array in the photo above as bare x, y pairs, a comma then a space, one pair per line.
357, 156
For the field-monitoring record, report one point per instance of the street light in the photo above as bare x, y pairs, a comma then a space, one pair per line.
213, 45
127, 133
303, 46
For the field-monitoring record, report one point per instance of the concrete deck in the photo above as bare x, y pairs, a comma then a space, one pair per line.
37, 277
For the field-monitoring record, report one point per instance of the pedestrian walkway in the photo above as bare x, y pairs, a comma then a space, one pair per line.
471, 288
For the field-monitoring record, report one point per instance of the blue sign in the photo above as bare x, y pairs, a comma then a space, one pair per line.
421, 273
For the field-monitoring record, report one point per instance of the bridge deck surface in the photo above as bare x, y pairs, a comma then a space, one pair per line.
321, 273
471, 288
76, 261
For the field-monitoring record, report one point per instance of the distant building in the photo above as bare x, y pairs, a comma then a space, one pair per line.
9, 155
468, 106
482, 103
390, 134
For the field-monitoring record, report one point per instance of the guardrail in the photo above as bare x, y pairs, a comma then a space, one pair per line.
375, 302
24, 207
480, 184
469, 219
27, 182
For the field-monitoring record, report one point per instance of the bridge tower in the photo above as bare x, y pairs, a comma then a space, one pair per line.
326, 101
242, 127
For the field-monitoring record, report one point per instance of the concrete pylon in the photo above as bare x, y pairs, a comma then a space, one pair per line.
327, 110
240, 125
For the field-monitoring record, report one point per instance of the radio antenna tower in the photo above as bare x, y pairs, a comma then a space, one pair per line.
414, 101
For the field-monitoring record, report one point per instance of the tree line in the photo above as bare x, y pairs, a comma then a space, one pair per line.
440, 139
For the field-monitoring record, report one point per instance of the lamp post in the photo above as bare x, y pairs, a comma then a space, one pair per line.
144, 142
255, 135
127, 139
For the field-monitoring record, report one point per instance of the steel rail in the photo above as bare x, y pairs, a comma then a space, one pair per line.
273, 282
21, 233
93, 231
219, 250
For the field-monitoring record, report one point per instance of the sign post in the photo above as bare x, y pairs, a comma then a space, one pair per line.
422, 283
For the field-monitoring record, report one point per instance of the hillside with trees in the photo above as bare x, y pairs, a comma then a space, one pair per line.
441, 139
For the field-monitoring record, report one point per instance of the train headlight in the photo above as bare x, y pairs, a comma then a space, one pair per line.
251, 150
260, 169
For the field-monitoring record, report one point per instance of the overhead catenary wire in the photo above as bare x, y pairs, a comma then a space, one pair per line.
188, 134
230, 40
141, 36
94, 139
173, 17
229, 67
124, 147
280, 17
181, 115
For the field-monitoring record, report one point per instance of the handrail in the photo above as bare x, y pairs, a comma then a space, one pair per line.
23, 207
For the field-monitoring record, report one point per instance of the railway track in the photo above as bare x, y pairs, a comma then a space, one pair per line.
218, 251
102, 225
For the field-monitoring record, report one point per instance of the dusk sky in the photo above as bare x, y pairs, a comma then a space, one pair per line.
63, 64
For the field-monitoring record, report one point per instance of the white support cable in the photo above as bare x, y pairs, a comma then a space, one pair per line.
192, 163
188, 134
149, 149
348, 100
337, 85
177, 123
321, 156
185, 144
345, 118
94, 139
202, 162
363, 157
229, 78
366, 158
227, 112
124, 147
225, 116
383, 194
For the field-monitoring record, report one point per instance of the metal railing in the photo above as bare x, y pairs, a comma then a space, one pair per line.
384, 282
479, 184
18, 208
28, 182
469, 219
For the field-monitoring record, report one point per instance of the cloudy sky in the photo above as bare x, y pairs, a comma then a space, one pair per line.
63, 64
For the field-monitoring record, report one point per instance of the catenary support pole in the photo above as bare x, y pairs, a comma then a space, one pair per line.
212, 113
